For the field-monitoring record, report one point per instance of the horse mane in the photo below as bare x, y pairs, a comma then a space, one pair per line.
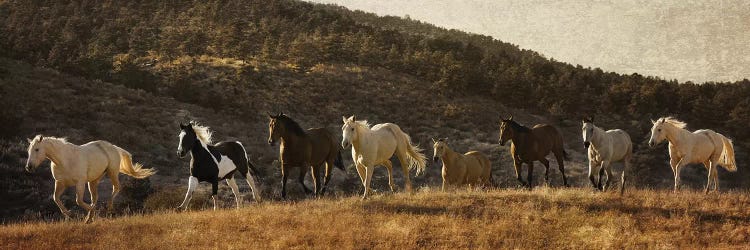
291, 125
518, 127
673, 121
40, 138
203, 133
363, 123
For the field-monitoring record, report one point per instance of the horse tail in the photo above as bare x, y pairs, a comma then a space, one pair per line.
251, 168
135, 170
727, 154
413, 152
339, 162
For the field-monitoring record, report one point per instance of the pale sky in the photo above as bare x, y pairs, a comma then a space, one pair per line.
707, 40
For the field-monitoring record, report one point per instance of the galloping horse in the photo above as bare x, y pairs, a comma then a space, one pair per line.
533, 144
74, 165
304, 150
472, 168
375, 146
213, 163
702, 146
604, 148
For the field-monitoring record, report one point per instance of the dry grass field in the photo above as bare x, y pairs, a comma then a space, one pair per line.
504, 218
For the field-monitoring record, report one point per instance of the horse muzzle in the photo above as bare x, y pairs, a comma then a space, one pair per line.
586, 144
181, 154
29, 168
345, 145
502, 143
271, 142
435, 159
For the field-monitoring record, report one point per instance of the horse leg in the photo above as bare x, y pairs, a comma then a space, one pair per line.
80, 192
405, 169
368, 180
315, 173
709, 165
592, 178
529, 175
283, 181
235, 190
327, 176
676, 166
192, 184
625, 167
561, 166
59, 189
114, 177
388, 165
545, 162
253, 187
608, 168
517, 166
601, 177
93, 185
214, 192
715, 173
301, 179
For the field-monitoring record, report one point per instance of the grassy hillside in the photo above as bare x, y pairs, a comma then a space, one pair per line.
128, 72
542, 219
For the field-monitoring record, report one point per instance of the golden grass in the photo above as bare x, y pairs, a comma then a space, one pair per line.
543, 218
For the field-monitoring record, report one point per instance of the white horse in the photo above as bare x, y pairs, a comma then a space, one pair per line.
605, 148
375, 146
702, 146
74, 165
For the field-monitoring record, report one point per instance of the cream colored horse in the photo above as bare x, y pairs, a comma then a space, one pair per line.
472, 168
375, 146
74, 165
605, 148
702, 146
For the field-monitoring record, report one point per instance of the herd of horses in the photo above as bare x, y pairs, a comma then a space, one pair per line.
316, 150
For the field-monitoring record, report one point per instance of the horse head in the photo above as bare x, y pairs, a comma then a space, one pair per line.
187, 139
349, 131
36, 152
506, 133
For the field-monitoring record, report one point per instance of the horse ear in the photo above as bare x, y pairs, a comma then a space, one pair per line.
31, 140
510, 118
652, 121
281, 113
354, 118
445, 139
344, 119
433, 140
269, 115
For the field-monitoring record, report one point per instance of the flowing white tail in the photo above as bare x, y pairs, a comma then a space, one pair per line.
135, 170
727, 155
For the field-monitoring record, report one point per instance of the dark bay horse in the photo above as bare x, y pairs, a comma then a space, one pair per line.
533, 144
306, 150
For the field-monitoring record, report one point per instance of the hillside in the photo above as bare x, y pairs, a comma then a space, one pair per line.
129, 72
542, 219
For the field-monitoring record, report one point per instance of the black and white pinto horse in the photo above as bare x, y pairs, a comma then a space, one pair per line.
213, 163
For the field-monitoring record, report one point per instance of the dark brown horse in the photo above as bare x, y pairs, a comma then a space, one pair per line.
533, 144
306, 150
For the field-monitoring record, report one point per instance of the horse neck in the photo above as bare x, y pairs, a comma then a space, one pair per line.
200, 148
598, 137
677, 135
363, 135
55, 151
291, 138
519, 137
449, 155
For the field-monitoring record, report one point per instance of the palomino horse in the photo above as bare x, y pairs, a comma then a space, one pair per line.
606, 147
375, 146
74, 165
306, 150
533, 144
213, 163
702, 146
472, 168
